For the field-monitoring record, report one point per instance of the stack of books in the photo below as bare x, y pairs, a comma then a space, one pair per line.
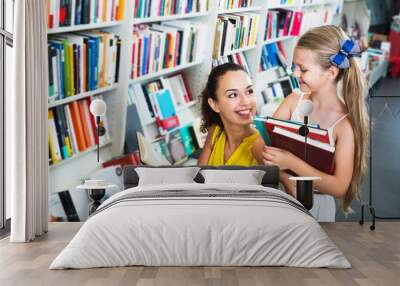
284, 134
273, 55
281, 22
160, 99
82, 62
172, 148
229, 4
72, 129
235, 31
151, 8
237, 58
164, 46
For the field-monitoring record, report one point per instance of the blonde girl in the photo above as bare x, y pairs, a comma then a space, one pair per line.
323, 59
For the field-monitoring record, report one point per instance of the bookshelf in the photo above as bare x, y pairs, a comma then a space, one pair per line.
70, 173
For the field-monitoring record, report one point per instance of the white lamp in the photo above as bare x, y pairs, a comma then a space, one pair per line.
98, 108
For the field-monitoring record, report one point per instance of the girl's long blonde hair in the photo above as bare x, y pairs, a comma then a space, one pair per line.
324, 41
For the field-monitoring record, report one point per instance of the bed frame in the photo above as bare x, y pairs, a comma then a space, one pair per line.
270, 179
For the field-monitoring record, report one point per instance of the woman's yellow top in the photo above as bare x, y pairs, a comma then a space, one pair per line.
242, 156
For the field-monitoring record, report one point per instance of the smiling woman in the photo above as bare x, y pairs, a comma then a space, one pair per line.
228, 108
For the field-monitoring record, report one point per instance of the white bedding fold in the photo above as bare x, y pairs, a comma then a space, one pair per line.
131, 229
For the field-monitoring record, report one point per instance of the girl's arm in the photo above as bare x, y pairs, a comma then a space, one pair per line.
289, 185
207, 149
336, 184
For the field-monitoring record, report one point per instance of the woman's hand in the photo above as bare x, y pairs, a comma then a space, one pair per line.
280, 157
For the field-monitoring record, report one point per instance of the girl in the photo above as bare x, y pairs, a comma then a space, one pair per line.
228, 107
322, 60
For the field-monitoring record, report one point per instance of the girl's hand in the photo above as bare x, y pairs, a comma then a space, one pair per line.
279, 157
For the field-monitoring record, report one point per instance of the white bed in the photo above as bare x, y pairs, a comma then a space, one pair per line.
201, 224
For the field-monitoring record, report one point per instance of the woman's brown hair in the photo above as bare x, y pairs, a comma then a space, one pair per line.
209, 116
325, 41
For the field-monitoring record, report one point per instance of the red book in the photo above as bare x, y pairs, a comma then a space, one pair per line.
92, 121
319, 155
168, 123
296, 24
287, 23
187, 86
129, 159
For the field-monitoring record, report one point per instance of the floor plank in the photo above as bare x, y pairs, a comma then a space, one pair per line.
374, 255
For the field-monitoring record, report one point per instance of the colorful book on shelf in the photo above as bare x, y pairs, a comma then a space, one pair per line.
187, 140
55, 150
285, 135
165, 109
177, 85
148, 155
296, 23
78, 127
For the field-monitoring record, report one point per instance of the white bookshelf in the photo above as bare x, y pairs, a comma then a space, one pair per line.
83, 27
240, 10
279, 39
168, 18
79, 155
70, 173
82, 95
164, 72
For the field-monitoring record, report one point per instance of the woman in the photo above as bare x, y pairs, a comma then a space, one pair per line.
228, 107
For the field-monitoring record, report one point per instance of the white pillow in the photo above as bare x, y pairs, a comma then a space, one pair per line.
249, 177
163, 176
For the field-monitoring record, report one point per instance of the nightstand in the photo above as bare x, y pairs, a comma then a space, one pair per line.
96, 190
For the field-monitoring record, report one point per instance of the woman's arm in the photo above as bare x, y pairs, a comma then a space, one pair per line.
207, 149
283, 112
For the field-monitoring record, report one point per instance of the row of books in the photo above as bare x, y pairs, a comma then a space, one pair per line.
273, 55
277, 91
281, 2
64, 13
316, 17
235, 31
177, 145
160, 100
233, 4
163, 46
237, 58
281, 22
151, 8
174, 147
72, 129
82, 62
306, 2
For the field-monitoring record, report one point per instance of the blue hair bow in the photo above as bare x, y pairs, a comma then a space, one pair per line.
348, 49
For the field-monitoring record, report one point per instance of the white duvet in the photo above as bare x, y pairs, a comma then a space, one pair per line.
182, 230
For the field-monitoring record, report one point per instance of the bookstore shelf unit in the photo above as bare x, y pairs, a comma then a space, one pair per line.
70, 173
67, 173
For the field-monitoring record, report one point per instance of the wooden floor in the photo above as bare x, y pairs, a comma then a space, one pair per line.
374, 255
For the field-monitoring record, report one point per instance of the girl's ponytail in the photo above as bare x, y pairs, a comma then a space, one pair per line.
353, 95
